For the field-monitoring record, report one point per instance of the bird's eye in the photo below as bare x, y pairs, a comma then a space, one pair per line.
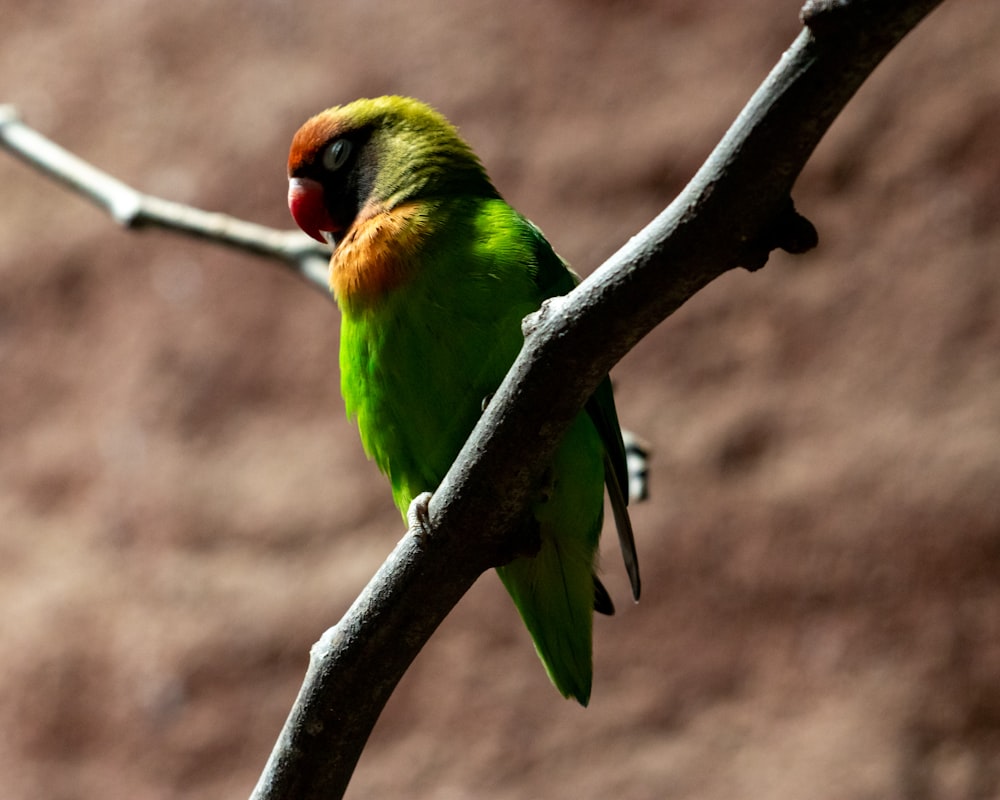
336, 154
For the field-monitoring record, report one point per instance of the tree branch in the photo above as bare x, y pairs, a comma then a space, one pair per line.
133, 209
733, 213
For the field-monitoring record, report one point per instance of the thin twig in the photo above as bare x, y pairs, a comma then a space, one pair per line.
133, 209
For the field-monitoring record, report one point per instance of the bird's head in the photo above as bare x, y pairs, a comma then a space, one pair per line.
371, 155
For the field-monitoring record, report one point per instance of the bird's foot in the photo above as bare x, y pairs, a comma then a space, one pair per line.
418, 515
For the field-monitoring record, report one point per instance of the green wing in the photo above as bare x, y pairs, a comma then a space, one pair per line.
555, 277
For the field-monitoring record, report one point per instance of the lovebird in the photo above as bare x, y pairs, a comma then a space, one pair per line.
433, 272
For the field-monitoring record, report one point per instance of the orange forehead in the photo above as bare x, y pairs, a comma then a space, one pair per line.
312, 136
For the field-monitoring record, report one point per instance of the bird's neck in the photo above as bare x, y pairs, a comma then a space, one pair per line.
378, 254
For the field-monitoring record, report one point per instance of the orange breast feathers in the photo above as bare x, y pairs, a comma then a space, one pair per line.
377, 254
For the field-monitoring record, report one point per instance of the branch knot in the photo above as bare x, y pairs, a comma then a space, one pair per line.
789, 231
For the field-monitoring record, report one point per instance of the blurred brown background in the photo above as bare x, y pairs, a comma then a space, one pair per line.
184, 507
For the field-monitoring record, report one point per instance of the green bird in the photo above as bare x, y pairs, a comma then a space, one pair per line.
433, 272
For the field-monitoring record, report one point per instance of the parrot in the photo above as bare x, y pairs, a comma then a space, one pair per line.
433, 273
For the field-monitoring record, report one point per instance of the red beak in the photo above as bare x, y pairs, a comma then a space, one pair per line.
305, 201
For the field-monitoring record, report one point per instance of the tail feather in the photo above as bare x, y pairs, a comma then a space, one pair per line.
602, 600
554, 592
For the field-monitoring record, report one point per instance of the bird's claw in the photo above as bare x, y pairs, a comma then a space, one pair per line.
418, 515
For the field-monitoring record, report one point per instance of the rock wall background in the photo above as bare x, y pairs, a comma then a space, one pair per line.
185, 507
